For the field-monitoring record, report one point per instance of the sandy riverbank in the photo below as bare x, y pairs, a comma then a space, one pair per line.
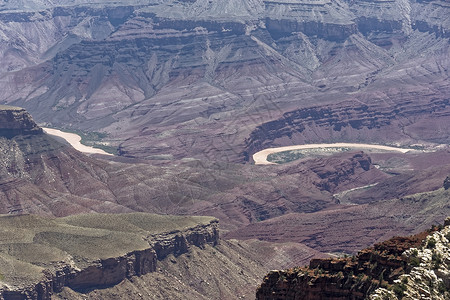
74, 140
260, 157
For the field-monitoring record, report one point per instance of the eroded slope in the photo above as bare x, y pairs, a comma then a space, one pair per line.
197, 78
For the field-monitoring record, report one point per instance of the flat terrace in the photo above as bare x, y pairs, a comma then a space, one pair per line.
31, 244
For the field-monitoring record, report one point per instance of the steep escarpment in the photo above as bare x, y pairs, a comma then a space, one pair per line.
89, 252
16, 121
385, 265
230, 270
328, 31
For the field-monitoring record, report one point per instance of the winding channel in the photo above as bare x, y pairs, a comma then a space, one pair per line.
75, 141
260, 157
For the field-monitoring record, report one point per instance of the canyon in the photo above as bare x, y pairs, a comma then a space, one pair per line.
41, 176
184, 94
172, 80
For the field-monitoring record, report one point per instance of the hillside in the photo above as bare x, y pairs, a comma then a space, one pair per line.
43, 176
270, 203
97, 256
220, 81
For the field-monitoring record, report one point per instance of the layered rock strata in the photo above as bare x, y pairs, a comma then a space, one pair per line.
41, 256
344, 278
350, 122
16, 121
41, 176
401, 268
430, 271
169, 80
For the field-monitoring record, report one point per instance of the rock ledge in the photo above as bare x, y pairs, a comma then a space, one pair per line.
16, 121
87, 252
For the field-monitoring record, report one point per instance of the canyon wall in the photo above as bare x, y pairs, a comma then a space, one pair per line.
16, 121
345, 278
84, 274
352, 122
181, 73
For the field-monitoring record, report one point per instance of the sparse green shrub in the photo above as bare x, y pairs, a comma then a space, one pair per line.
414, 261
381, 277
431, 244
405, 280
399, 289
442, 288
373, 266
436, 258
361, 278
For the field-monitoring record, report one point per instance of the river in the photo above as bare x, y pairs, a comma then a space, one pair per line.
260, 157
75, 140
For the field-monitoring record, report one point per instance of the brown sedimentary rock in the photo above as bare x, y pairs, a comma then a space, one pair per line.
343, 278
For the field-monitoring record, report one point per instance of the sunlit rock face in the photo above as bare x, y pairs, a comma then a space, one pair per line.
430, 274
413, 267
196, 78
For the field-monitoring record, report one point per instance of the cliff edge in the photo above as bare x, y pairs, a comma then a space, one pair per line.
40, 256
16, 121
414, 267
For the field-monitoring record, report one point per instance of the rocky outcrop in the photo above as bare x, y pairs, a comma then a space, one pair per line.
84, 274
344, 278
327, 31
16, 121
335, 173
429, 274
176, 243
447, 183
100, 274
